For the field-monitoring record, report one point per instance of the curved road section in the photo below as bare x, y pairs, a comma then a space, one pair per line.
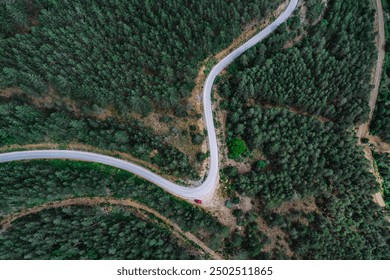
207, 188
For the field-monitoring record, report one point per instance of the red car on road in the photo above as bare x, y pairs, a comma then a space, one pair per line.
198, 201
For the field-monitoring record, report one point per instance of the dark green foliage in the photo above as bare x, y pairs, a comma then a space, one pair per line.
88, 233
383, 164
346, 225
327, 73
316, 76
228, 204
249, 243
197, 138
131, 54
25, 124
166, 119
261, 164
254, 240
18, 16
236, 147
200, 157
28, 184
306, 156
236, 200
315, 7
380, 124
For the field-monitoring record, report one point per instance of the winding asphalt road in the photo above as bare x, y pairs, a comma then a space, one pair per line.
208, 187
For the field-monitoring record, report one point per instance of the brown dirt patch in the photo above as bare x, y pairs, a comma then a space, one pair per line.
305, 205
277, 237
293, 42
377, 197
379, 145
246, 203
217, 206
9, 92
297, 112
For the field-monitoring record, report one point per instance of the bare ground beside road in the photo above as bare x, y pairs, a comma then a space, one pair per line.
363, 130
183, 236
379, 145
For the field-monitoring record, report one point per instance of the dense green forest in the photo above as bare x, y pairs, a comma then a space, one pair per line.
380, 124
18, 16
345, 225
135, 55
314, 9
325, 74
306, 157
383, 164
117, 56
89, 233
321, 71
21, 123
28, 184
